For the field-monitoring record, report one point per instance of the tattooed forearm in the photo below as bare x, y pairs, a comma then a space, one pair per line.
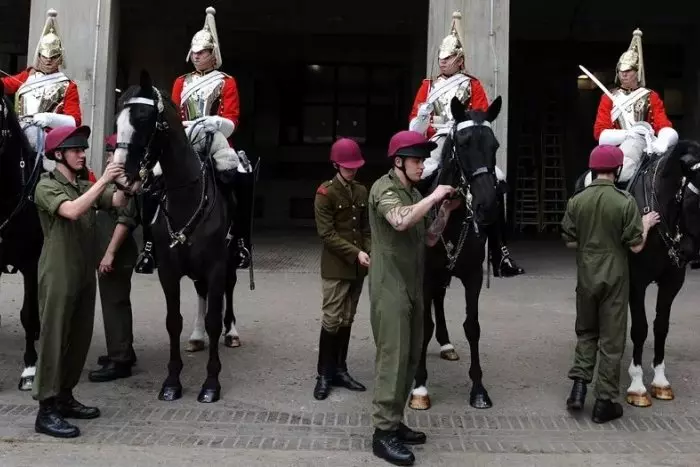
399, 216
437, 227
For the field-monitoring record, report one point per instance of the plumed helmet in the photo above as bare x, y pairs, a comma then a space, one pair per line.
347, 154
66, 137
605, 158
633, 58
408, 143
207, 38
50, 44
453, 43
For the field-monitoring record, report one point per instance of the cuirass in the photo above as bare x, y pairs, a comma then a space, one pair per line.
32, 100
205, 101
442, 111
637, 110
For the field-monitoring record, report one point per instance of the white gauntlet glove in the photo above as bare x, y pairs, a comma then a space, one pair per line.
52, 120
216, 123
421, 122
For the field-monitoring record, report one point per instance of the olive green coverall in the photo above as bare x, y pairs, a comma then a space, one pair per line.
396, 300
66, 284
605, 222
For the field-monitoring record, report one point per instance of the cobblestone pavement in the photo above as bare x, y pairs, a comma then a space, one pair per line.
267, 411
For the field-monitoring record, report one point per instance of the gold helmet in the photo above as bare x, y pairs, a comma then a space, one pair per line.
633, 59
50, 44
453, 43
207, 38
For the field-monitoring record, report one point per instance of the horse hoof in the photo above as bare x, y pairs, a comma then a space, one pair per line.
194, 346
664, 394
207, 396
480, 399
170, 393
232, 341
419, 402
450, 354
638, 400
26, 383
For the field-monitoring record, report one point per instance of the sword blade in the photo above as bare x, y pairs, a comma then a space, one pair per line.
606, 92
9, 76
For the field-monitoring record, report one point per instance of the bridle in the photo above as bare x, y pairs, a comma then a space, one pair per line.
463, 189
148, 161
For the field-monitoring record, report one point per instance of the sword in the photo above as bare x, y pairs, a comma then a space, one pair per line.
10, 76
606, 92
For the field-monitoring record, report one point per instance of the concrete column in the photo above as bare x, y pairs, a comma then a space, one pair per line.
486, 53
89, 31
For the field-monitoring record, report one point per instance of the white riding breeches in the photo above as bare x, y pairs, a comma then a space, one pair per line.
432, 163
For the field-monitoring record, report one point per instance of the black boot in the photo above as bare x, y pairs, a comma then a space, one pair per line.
327, 357
409, 436
503, 265
110, 372
146, 261
606, 411
387, 445
102, 360
577, 398
342, 378
50, 422
68, 407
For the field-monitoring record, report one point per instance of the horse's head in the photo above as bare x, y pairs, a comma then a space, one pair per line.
139, 121
688, 152
470, 156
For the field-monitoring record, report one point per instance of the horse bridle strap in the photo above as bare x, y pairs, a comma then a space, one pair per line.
471, 123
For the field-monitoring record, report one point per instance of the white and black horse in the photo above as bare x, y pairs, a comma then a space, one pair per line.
468, 164
21, 239
191, 227
668, 184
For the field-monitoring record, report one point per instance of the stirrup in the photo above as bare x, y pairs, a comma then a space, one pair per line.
145, 264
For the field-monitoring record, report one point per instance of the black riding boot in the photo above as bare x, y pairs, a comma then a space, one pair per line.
327, 358
244, 190
503, 265
342, 378
606, 411
146, 261
68, 407
49, 421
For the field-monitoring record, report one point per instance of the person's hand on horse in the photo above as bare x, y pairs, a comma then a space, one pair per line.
650, 219
442, 192
363, 258
451, 204
112, 172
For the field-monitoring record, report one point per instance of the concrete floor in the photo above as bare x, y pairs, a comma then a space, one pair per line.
267, 415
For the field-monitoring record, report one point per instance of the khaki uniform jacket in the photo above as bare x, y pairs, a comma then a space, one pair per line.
341, 221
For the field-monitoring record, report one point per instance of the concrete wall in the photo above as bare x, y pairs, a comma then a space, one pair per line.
88, 30
486, 26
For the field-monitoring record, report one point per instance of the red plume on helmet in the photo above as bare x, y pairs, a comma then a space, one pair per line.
605, 158
347, 154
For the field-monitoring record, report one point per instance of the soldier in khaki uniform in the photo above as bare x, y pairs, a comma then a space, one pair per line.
400, 233
341, 220
117, 251
66, 206
603, 223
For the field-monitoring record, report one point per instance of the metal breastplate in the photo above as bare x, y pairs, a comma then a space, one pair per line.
637, 110
442, 112
205, 101
30, 101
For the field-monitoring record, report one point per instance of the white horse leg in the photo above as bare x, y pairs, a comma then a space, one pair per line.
196, 342
26, 381
637, 393
660, 387
420, 400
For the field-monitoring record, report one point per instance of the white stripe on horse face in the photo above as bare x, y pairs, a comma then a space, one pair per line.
125, 131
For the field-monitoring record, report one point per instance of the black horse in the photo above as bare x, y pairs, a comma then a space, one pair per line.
468, 164
668, 185
665, 183
21, 238
191, 227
